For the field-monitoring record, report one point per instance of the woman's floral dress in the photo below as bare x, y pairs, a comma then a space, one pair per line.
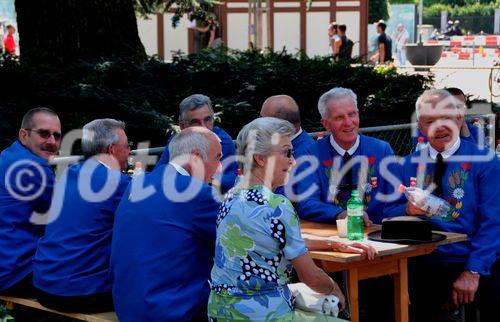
258, 234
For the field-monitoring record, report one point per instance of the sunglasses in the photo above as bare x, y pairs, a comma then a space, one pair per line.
46, 134
288, 153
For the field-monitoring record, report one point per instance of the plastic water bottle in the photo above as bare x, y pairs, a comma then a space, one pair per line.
138, 169
420, 145
497, 150
355, 224
427, 202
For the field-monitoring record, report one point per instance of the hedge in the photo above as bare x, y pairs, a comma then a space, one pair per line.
146, 94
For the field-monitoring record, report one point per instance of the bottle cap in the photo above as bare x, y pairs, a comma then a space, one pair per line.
498, 141
476, 119
401, 188
138, 164
420, 139
320, 135
238, 172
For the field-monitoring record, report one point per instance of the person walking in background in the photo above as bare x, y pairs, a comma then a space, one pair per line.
346, 44
384, 44
9, 42
334, 38
401, 37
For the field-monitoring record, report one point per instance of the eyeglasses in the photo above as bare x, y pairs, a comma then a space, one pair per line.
46, 134
288, 153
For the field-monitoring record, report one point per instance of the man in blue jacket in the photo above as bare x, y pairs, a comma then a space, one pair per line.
347, 161
71, 265
26, 185
196, 110
468, 132
164, 235
284, 107
467, 178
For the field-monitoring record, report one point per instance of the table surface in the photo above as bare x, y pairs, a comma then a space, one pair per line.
322, 230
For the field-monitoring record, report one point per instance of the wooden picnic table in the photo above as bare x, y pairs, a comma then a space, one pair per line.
392, 260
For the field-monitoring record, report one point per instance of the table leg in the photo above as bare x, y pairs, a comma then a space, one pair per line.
401, 291
352, 287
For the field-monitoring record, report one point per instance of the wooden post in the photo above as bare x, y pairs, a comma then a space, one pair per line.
352, 276
401, 296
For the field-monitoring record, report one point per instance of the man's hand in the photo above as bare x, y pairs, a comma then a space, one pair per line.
366, 219
413, 210
464, 288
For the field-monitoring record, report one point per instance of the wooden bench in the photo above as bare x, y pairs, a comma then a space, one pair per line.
33, 303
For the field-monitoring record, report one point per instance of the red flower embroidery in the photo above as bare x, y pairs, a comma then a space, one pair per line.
327, 163
371, 160
465, 166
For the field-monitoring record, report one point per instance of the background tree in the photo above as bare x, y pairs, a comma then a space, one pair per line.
377, 10
63, 31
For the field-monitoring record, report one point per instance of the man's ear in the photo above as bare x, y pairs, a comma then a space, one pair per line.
110, 149
23, 133
325, 124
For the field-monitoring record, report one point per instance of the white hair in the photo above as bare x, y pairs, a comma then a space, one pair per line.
99, 134
259, 136
187, 142
336, 93
435, 97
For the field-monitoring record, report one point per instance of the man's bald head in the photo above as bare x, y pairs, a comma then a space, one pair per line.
283, 107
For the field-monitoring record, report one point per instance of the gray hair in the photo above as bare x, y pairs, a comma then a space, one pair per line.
257, 136
99, 134
435, 97
336, 93
192, 103
187, 142
27, 122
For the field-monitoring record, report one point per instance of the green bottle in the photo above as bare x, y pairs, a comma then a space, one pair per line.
355, 224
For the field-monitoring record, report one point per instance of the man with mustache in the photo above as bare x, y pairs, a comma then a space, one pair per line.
467, 177
26, 186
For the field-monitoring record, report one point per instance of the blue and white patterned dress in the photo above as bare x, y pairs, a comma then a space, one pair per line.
258, 234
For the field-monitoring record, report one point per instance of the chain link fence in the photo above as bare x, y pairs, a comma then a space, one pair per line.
399, 137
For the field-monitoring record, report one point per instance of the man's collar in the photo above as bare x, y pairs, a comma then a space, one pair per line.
447, 153
104, 164
179, 169
340, 150
297, 134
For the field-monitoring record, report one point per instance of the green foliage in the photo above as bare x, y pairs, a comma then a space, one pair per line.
200, 9
146, 94
482, 8
428, 3
377, 10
